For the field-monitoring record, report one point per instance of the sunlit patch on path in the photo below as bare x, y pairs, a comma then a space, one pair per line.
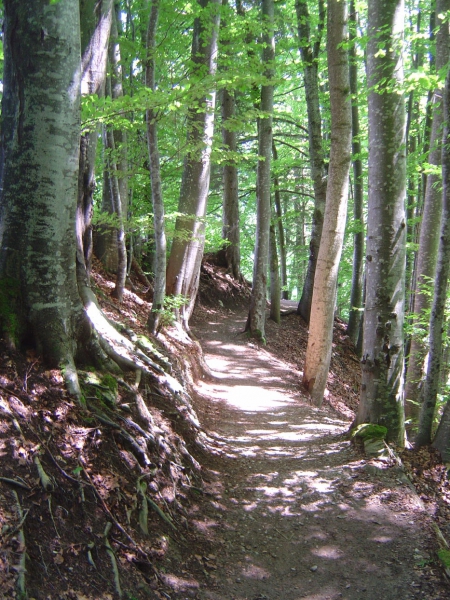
295, 511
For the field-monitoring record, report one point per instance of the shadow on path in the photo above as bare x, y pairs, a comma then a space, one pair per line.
295, 513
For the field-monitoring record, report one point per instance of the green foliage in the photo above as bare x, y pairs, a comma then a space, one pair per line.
167, 316
367, 431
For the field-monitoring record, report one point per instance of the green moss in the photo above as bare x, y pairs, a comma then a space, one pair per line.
368, 431
444, 557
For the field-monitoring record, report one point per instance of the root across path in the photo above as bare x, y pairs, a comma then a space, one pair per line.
293, 509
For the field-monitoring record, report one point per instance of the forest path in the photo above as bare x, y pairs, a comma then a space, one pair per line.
294, 511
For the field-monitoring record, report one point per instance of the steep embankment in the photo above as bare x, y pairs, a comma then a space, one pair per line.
267, 499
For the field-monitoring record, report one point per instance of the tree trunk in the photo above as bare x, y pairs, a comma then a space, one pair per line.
41, 129
280, 229
355, 312
155, 176
275, 288
231, 226
428, 240
318, 353
183, 269
310, 56
96, 19
257, 312
382, 361
437, 319
115, 195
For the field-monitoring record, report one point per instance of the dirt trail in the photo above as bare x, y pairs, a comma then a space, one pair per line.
294, 511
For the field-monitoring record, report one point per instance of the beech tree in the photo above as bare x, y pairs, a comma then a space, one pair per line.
309, 51
382, 362
183, 268
257, 312
318, 352
155, 174
40, 180
431, 219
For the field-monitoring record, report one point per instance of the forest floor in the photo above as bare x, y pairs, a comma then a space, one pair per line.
280, 505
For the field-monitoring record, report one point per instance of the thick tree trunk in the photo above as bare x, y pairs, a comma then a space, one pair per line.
383, 361
437, 320
257, 312
310, 56
155, 176
41, 129
318, 353
428, 240
355, 312
183, 269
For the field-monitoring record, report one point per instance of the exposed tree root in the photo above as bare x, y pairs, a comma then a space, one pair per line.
21, 567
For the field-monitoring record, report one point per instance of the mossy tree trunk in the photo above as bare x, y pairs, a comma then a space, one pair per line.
41, 136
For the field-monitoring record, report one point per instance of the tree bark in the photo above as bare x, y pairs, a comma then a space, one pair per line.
318, 353
280, 229
275, 287
41, 129
257, 312
428, 240
96, 20
310, 55
437, 320
155, 176
231, 226
355, 312
183, 269
383, 360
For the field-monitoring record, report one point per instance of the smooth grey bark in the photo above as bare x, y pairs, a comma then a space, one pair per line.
280, 229
318, 352
257, 311
275, 287
310, 54
183, 268
355, 313
437, 319
110, 241
383, 361
428, 240
95, 23
155, 176
41, 136
116, 200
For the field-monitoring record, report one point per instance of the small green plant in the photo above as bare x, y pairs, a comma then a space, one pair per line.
167, 314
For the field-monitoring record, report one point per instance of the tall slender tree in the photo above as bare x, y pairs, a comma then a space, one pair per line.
382, 361
310, 51
437, 320
183, 269
318, 353
155, 175
257, 312
431, 218
355, 313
